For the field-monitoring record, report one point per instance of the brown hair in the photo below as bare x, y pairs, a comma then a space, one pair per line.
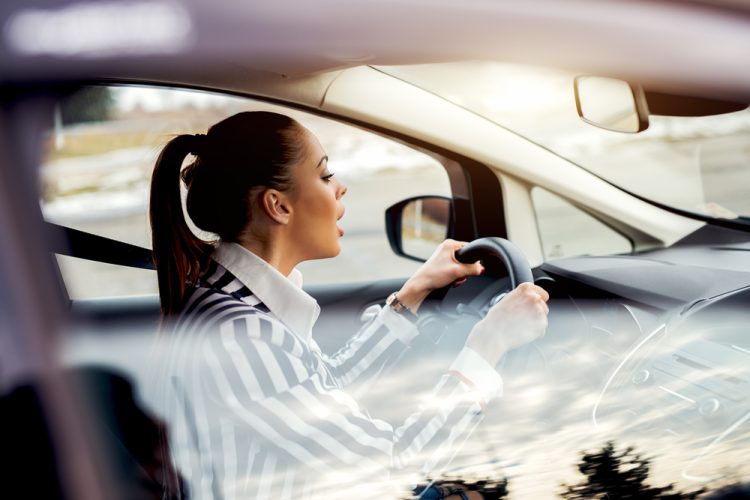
242, 152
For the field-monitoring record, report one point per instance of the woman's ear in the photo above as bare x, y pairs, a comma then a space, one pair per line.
276, 205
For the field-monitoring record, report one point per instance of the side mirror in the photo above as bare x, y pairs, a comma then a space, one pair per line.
416, 226
611, 104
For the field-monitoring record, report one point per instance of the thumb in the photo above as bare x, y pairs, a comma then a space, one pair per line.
477, 268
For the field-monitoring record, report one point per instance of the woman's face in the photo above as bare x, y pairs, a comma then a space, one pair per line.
316, 203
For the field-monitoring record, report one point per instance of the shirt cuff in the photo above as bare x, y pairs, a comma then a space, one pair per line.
478, 374
401, 328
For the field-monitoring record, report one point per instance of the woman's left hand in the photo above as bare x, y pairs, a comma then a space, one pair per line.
441, 269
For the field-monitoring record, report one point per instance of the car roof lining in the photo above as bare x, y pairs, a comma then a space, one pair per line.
279, 38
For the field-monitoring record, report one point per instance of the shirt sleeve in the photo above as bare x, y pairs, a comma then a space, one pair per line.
373, 348
278, 393
477, 374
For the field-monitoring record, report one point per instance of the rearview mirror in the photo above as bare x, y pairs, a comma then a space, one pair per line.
611, 104
416, 226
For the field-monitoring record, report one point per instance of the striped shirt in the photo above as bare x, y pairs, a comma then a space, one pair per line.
258, 411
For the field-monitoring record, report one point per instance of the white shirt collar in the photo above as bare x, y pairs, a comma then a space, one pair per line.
283, 295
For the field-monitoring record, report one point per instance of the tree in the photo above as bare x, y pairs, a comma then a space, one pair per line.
490, 489
735, 491
614, 475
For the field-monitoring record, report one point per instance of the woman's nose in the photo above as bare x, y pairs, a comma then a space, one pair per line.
341, 191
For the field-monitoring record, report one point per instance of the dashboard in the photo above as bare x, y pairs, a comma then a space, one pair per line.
670, 330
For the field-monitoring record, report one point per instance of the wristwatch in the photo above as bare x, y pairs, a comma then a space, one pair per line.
400, 308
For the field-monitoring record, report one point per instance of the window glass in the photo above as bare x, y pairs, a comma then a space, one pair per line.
100, 154
86, 279
695, 163
566, 230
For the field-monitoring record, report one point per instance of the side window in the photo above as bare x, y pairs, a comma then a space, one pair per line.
566, 230
100, 155
378, 172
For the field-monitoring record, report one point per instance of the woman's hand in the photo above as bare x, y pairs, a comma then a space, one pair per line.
519, 318
440, 270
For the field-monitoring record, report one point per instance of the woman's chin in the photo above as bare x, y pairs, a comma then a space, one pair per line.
332, 252
337, 250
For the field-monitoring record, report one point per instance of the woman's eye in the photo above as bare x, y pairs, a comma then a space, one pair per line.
327, 177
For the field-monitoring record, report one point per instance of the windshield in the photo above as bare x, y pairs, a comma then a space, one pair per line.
698, 164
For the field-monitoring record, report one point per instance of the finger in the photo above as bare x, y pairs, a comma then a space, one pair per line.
542, 292
543, 329
459, 282
453, 251
453, 244
539, 301
474, 269
545, 308
530, 291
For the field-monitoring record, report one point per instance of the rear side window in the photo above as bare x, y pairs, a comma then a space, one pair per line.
100, 154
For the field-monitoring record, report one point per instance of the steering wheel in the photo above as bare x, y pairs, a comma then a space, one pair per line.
500, 249
446, 317
433, 317
506, 252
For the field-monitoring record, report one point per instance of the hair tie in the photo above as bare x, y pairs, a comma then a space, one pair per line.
198, 144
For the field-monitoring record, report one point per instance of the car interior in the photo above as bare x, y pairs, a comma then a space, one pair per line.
624, 197
647, 315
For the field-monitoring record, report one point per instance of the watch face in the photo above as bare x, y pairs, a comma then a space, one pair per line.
393, 302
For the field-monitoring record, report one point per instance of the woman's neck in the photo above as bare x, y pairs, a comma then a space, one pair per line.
272, 253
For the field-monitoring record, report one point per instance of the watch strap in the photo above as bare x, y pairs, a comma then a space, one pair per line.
400, 308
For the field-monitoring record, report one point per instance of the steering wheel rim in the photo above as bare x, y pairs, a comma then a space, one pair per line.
508, 253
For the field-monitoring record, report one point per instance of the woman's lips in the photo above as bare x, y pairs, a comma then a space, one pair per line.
341, 231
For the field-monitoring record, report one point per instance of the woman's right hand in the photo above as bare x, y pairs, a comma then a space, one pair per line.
519, 318
441, 269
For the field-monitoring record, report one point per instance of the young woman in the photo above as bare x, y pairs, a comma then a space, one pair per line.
260, 411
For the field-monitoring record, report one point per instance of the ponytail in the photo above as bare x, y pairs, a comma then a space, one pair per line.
178, 254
